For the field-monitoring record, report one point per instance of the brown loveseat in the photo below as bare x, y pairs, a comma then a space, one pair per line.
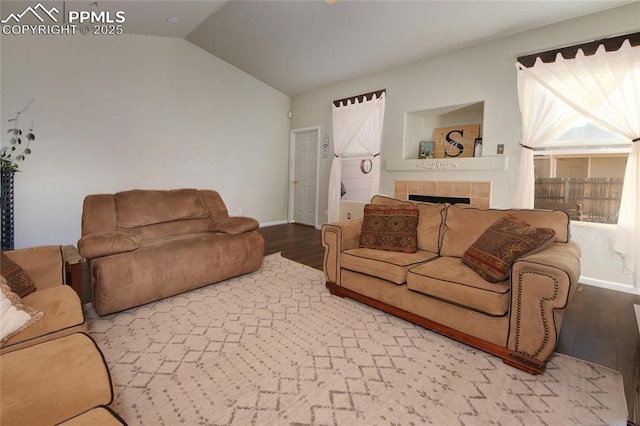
145, 245
517, 319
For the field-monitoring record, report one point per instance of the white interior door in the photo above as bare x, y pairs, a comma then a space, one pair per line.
305, 176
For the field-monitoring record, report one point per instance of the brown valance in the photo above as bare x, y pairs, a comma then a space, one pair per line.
360, 98
569, 52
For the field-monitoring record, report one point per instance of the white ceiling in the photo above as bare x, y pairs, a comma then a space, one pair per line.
147, 17
299, 45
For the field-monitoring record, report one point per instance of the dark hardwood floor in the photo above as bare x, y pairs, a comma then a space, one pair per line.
300, 243
599, 324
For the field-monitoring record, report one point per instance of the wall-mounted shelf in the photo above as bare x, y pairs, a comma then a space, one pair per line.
420, 125
449, 164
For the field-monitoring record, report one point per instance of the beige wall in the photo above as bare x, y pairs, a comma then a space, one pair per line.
485, 72
121, 112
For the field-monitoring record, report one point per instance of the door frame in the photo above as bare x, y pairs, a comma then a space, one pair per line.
292, 169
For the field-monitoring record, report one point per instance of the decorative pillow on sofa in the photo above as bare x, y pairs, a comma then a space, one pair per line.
17, 279
15, 316
493, 254
392, 228
234, 225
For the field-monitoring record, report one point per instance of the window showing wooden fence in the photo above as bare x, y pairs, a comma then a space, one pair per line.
598, 199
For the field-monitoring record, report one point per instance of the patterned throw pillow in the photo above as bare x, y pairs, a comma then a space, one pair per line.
392, 228
16, 316
493, 254
18, 280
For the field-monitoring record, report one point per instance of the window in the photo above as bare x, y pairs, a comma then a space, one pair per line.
582, 172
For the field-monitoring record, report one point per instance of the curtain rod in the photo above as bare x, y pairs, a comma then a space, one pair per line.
569, 52
360, 98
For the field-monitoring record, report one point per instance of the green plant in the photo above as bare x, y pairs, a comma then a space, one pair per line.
18, 149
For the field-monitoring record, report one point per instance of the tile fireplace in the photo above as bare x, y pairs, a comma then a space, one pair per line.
477, 193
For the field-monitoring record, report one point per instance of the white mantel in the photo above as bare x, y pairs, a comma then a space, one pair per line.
498, 162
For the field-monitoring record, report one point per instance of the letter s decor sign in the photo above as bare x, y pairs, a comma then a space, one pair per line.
456, 141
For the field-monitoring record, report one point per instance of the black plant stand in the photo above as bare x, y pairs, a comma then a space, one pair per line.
6, 203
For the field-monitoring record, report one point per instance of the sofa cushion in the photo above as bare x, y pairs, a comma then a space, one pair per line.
168, 229
15, 316
430, 226
99, 213
16, 277
234, 225
62, 316
383, 200
430, 220
53, 381
215, 204
463, 225
106, 244
507, 239
449, 279
389, 265
145, 207
392, 228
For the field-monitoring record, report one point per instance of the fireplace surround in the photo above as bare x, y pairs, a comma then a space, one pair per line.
478, 193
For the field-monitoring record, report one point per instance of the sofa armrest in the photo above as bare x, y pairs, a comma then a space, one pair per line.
107, 243
542, 284
234, 225
43, 264
337, 237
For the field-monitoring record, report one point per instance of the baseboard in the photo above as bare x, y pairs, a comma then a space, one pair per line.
609, 285
283, 222
275, 222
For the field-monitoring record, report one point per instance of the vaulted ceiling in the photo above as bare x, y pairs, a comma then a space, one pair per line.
297, 45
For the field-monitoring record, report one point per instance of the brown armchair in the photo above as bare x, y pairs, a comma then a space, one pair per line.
63, 315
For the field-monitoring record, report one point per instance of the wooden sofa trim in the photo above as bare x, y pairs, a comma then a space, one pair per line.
100, 414
509, 357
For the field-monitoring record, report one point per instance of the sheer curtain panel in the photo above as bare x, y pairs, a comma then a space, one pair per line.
544, 117
605, 87
370, 137
354, 122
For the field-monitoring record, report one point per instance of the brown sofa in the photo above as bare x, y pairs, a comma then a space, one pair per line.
517, 319
50, 370
146, 245
63, 315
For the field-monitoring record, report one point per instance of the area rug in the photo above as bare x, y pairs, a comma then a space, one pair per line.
275, 348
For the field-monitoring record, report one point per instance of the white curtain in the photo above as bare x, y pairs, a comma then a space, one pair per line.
605, 87
544, 117
359, 122
370, 137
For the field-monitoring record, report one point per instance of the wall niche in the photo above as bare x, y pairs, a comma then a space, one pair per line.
419, 125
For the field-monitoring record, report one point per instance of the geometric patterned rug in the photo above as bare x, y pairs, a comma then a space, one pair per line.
275, 348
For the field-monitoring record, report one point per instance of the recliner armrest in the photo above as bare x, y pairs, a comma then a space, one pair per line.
107, 243
234, 225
